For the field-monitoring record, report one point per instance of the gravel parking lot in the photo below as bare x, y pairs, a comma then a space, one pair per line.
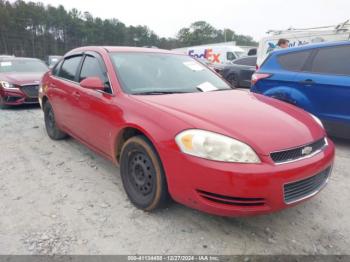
60, 197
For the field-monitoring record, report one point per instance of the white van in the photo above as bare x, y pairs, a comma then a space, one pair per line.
298, 37
215, 54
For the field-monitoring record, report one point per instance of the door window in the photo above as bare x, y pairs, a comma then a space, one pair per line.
92, 68
332, 60
69, 68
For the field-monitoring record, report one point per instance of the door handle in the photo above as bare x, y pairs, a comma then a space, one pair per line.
76, 95
307, 82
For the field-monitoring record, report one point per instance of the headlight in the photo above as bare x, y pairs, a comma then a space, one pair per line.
5, 84
214, 146
317, 120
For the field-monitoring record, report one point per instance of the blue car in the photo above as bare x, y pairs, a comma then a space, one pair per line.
314, 77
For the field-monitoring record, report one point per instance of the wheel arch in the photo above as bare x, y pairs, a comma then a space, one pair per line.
127, 132
291, 96
44, 100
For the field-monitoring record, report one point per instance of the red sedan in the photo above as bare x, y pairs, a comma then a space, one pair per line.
178, 131
19, 80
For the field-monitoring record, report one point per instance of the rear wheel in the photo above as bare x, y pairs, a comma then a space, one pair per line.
50, 123
143, 175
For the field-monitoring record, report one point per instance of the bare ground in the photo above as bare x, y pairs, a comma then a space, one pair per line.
61, 198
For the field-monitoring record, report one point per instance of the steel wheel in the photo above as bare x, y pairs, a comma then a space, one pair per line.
50, 123
142, 174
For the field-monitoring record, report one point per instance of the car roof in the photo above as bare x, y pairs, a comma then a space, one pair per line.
311, 46
111, 49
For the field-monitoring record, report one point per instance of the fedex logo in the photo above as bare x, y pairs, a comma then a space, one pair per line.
208, 54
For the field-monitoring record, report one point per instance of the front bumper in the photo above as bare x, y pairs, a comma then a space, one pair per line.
230, 189
16, 97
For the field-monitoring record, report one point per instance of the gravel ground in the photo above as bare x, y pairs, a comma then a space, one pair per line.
61, 198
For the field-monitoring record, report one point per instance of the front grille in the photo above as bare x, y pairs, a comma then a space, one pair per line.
301, 189
12, 99
30, 90
33, 100
229, 200
299, 152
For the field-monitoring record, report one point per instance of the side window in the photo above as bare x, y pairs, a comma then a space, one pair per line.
247, 61
230, 56
332, 60
294, 61
69, 68
56, 68
92, 68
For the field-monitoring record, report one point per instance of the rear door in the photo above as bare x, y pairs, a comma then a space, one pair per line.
63, 91
326, 83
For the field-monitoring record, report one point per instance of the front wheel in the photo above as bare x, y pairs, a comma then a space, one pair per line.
143, 175
50, 123
2, 103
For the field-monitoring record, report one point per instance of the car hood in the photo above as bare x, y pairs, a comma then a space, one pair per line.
21, 78
264, 123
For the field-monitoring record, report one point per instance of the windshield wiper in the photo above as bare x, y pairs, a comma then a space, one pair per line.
159, 92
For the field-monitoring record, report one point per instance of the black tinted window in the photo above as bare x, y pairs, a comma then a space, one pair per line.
56, 68
294, 61
247, 61
332, 60
92, 68
230, 56
69, 68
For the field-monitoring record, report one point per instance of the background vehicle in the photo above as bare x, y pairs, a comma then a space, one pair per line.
19, 80
239, 72
147, 109
302, 36
215, 54
51, 60
313, 77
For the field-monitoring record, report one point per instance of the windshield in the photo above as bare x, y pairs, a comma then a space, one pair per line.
22, 66
164, 73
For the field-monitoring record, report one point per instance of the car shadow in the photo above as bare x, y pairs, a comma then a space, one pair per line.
21, 107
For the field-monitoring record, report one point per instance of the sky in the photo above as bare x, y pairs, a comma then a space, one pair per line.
249, 17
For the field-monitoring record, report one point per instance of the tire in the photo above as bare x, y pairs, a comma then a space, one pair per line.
2, 103
143, 175
50, 124
232, 79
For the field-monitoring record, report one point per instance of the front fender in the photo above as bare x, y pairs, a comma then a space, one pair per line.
290, 95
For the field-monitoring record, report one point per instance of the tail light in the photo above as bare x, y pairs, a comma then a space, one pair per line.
256, 67
258, 76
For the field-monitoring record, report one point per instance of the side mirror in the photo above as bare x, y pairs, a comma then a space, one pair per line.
93, 82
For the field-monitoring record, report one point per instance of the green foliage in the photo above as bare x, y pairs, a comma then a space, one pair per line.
33, 29
203, 33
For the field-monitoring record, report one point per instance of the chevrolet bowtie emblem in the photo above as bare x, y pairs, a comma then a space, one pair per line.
306, 150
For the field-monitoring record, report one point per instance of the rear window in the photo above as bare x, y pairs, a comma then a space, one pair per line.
230, 56
22, 66
332, 60
293, 61
247, 61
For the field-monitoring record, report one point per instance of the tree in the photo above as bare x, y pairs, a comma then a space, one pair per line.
35, 29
